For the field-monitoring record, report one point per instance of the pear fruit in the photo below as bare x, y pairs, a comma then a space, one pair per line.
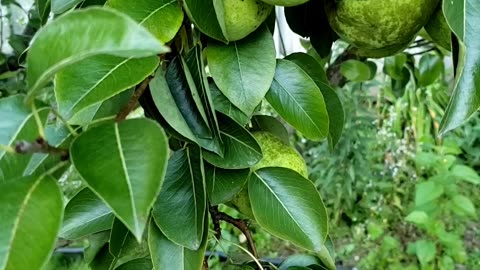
379, 28
239, 18
275, 154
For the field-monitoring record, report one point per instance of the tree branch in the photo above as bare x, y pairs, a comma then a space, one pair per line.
40, 145
241, 224
122, 115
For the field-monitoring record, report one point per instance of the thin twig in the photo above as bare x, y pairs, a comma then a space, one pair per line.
205, 264
40, 145
242, 225
216, 221
122, 115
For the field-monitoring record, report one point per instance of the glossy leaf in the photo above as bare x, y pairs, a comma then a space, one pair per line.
462, 17
134, 153
17, 124
288, 206
180, 207
61, 43
60, 6
301, 260
241, 149
32, 210
97, 79
223, 105
271, 124
336, 114
123, 245
162, 18
85, 214
250, 63
202, 14
168, 255
223, 185
297, 99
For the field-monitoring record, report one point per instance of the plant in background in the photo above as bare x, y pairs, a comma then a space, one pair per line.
154, 105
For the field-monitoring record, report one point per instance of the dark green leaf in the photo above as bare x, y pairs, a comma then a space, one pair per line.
462, 17
43, 8
181, 205
97, 79
299, 260
32, 210
223, 105
162, 18
167, 255
289, 206
430, 68
222, 185
134, 153
394, 66
103, 259
123, 245
61, 43
85, 214
202, 14
95, 244
297, 99
272, 125
241, 149
250, 63
137, 264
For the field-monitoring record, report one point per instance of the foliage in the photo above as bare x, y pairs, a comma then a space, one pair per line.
129, 126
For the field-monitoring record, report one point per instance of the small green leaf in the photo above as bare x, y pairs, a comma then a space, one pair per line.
465, 173
123, 245
85, 214
168, 255
355, 71
223, 185
202, 14
181, 205
134, 153
463, 206
32, 210
97, 79
303, 260
425, 251
96, 242
427, 192
241, 149
298, 99
103, 259
162, 18
430, 68
394, 66
61, 43
288, 206
417, 217
251, 65
60, 6
223, 105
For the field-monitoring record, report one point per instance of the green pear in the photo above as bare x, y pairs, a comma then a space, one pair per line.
275, 154
239, 18
286, 3
379, 27
438, 29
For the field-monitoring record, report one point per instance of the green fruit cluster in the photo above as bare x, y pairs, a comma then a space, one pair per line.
379, 28
275, 154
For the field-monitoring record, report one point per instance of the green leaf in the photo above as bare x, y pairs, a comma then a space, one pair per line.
60, 6
162, 18
430, 68
297, 99
271, 124
427, 192
302, 260
288, 206
95, 244
108, 31
355, 71
123, 245
137, 264
167, 255
425, 251
43, 9
102, 260
223, 105
97, 79
85, 214
223, 185
241, 149
134, 153
202, 14
181, 205
417, 217
462, 17
251, 65
18, 123
465, 173
336, 114
394, 66
32, 210
463, 206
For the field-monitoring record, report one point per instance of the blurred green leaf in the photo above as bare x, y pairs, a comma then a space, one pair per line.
426, 192
355, 71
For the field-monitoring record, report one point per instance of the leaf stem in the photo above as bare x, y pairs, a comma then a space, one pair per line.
7, 149
122, 115
41, 130
65, 122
